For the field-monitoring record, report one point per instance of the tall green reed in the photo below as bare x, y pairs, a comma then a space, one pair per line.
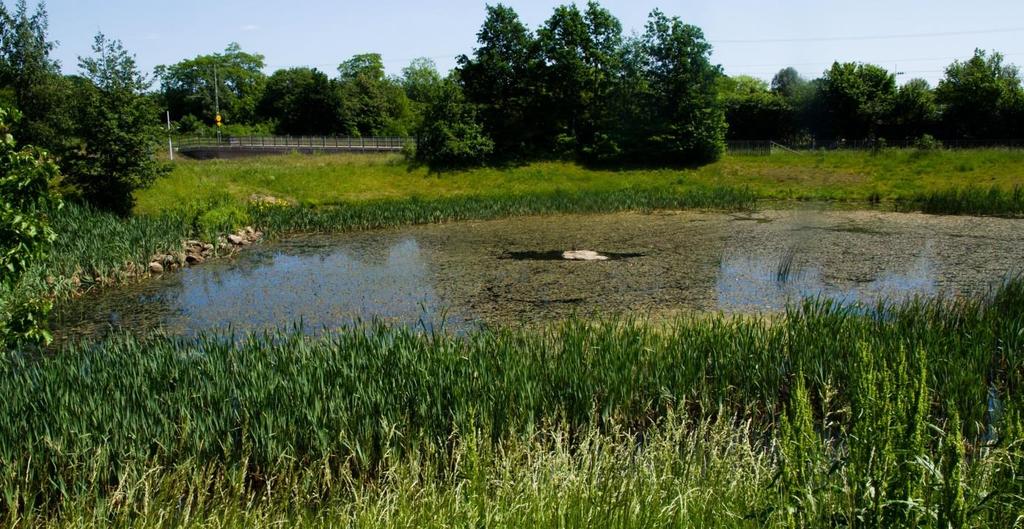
76, 422
970, 200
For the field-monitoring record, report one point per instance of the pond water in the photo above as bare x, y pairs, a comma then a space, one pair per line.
464, 275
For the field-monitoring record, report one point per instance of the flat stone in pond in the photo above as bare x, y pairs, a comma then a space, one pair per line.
583, 255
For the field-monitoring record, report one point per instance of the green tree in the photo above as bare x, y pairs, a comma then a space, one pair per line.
450, 136
858, 101
915, 112
789, 84
419, 80
117, 130
686, 121
753, 111
628, 111
981, 98
578, 87
302, 101
368, 65
26, 176
191, 87
30, 79
500, 79
800, 98
581, 54
374, 104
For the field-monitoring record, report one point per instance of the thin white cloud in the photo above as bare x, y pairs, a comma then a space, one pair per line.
250, 27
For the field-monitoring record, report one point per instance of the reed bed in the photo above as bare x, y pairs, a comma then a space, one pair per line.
971, 200
391, 213
901, 416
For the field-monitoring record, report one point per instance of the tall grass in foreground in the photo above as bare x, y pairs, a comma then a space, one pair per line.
908, 416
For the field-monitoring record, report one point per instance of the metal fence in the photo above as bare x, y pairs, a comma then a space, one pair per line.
293, 142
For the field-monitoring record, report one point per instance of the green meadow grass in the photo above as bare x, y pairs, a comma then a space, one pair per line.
892, 175
908, 416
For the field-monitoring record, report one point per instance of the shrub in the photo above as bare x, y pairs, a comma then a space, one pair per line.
25, 177
927, 142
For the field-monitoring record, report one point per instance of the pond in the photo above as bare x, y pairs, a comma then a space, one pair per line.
464, 275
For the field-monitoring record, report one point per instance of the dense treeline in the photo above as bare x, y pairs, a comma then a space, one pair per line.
980, 98
576, 87
360, 101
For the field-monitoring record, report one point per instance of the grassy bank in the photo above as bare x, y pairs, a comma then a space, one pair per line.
911, 417
893, 175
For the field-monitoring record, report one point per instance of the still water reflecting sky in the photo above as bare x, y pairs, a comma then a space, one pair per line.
460, 276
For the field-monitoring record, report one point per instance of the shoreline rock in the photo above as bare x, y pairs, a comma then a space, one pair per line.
197, 252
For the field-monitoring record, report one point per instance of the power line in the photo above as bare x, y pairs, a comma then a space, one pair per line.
393, 61
879, 61
867, 37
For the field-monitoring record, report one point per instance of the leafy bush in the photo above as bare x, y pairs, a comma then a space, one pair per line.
25, 234
221, 219
927, 142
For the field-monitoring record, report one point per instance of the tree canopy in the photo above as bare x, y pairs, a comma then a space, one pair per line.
116, 128
982, 98
30, 79
578, 88
303, 101
192, 87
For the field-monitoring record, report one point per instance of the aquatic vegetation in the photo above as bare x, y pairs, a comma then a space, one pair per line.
391, 213
970, 200
169, 431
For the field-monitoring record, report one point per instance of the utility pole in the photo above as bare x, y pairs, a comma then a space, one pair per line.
216, 99
170, 142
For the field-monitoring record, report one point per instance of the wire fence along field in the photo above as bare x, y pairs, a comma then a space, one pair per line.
767, 147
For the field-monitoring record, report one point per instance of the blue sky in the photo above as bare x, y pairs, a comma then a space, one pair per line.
750, 36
